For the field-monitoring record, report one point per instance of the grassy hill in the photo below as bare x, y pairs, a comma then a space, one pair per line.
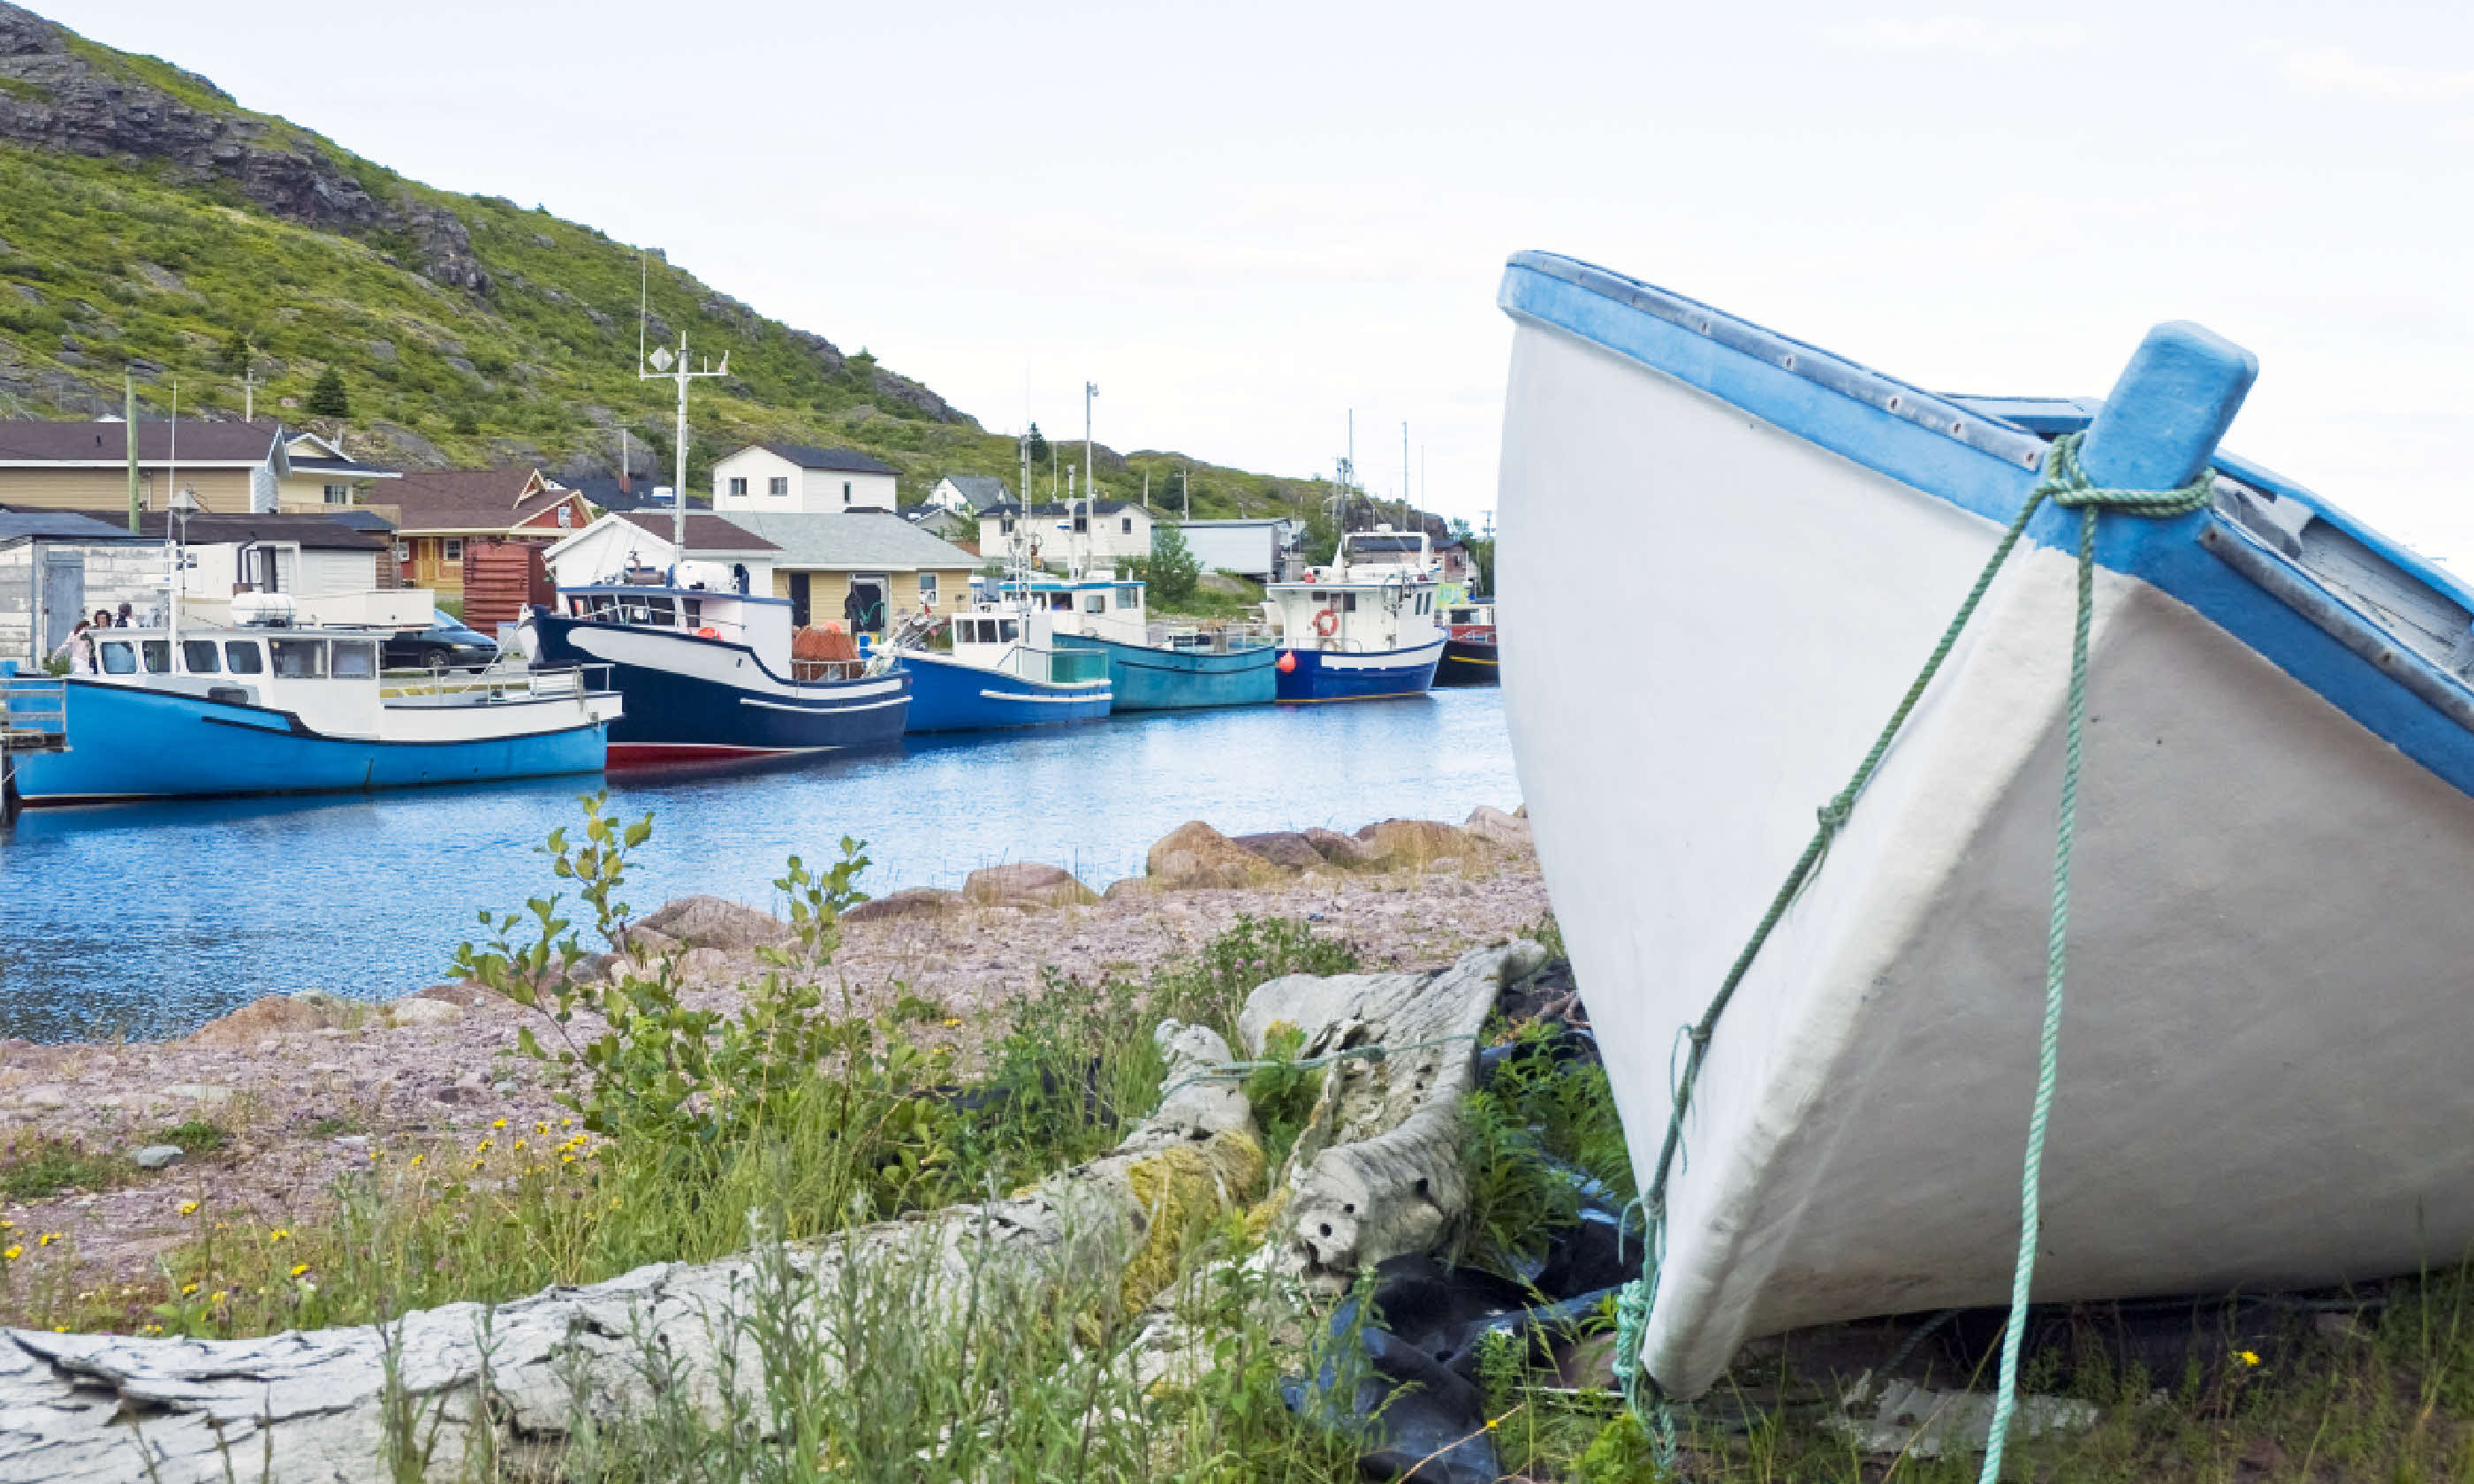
150, 223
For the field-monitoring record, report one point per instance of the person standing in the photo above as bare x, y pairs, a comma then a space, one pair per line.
79, 647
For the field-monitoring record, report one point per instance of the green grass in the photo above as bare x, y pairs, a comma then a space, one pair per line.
196, 1136
44, 1166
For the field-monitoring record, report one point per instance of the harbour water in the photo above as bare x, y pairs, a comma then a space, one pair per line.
145, 920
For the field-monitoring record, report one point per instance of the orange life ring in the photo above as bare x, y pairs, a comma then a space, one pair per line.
1327, 622
708, 631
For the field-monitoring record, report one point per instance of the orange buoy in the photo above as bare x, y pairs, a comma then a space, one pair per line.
708, 631
1287, 664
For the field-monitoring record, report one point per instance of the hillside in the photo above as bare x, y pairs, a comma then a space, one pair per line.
151, 224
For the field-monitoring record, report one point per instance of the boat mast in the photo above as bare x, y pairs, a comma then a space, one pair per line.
1090, 389
667, 369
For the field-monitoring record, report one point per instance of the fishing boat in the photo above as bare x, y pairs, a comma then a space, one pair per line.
1005, 668
264, 705
1152, 666
1361, 628
712, 674
2261, 1069
1468, 644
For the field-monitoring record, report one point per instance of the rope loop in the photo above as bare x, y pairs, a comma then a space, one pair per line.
2067, 485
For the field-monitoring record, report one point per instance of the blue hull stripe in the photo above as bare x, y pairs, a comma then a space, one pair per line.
666, 709
1164, 680
126, 743
950, 697
1312, 680
1982, 463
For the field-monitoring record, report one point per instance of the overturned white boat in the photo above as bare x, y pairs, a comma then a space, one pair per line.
2265, 1047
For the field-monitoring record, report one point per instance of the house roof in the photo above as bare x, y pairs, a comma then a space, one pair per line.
857, 540
806, 456
982, 491
473, 499
200, 443
606, 494
59, 525
705, 532
312, 531
312, 454
360, 520
1062, 508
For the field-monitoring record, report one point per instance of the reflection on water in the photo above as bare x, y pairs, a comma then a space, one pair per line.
145, 920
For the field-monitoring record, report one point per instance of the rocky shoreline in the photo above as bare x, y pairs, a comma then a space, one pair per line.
307, 1086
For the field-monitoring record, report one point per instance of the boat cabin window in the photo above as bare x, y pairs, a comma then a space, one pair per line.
242, 656
1129, 596
659, 612
159, 656
298, 659
1348, 603
119, 657
1319, 597
1095, 602
356, 660
691, 612
1060, 602
198, 657
1009, 630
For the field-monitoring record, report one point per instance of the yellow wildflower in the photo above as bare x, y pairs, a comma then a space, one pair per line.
520, 1144
278, 1233
567, 1159
187, 1289
217, 1297
541, 1127
498, 1123
415, 1160
48, 1238
477, 1165
566, 1123
300, 1268
12, 1252
2247, 1357
953, 1023
188, 1208
484, 1146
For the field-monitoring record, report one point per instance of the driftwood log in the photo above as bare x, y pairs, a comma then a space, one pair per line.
1377, 1174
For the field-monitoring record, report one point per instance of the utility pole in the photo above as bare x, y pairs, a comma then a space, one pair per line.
1404, 476
667, 369
1090, 389
128, 425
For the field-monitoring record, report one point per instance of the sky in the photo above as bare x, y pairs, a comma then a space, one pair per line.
1242, 222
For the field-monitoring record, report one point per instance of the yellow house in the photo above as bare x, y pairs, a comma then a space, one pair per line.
233, 468
323, 478
894, 567
437, 511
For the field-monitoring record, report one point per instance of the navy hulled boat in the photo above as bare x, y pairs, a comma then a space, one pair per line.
1362, 628
710, 674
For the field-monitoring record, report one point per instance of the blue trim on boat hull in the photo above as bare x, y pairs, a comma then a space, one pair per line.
1408, 672
127, 743
950, 697
1146, 679
669, 716
1768, 376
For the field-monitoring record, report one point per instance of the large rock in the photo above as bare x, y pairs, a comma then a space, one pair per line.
1194, 857
1342, 850
714, 923
914, 902
1509, 832
1281, 847
1025, 883
277, 1015
418, 1009
1399, 843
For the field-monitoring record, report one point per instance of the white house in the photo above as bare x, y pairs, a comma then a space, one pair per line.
607, 547
968, 494
1101, 531
794, 479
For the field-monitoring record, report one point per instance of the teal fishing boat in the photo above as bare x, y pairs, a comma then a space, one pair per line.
1151, 667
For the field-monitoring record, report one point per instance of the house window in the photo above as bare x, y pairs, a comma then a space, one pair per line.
404, 551
779, 484
338, 495
566, 516
927, 589
846, 491
454, 548
739, 486
1126, 527
1004, 525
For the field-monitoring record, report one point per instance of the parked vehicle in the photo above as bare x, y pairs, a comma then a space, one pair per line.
447, 644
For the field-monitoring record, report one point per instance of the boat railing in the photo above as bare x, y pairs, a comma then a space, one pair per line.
808, 670
550, 684
34, 715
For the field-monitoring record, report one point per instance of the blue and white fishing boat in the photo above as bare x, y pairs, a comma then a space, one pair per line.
1363, 627
265, 706
1152, 666
2262, 1054
712, 674
1004, 669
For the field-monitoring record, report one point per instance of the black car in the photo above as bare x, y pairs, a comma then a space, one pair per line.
445, 645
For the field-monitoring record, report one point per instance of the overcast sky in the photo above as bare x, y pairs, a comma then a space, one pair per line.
1244, 221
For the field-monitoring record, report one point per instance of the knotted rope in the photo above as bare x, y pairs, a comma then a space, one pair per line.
2065, 484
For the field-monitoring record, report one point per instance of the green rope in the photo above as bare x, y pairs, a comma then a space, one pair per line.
2066, 485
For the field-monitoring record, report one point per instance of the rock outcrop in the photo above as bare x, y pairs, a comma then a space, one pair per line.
1399, 843
713, 922
913, 902
1194, 857
1026, 883
1281, 847
1504, 832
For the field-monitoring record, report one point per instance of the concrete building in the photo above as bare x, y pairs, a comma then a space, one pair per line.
607, 548
896, 567
777, 479
1249, 548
